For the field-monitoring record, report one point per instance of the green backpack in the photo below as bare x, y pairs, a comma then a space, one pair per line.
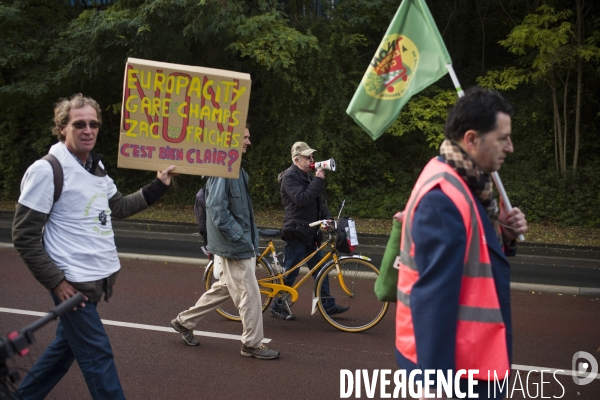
386, 285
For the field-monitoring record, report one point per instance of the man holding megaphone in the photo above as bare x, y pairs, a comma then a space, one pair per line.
301, 195
327, 164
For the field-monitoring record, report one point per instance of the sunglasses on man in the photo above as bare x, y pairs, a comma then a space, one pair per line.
83, 124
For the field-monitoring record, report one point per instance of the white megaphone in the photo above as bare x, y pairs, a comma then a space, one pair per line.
328, 165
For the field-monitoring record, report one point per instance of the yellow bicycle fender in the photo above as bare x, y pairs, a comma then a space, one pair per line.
359, 256
276, 287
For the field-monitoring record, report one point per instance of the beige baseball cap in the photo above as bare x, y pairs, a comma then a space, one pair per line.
301, 149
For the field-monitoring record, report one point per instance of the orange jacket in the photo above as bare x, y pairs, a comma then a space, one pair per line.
481, 332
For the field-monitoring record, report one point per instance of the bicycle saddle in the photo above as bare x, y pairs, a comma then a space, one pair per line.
269, 232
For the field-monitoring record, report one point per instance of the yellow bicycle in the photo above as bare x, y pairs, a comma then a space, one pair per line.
351, 281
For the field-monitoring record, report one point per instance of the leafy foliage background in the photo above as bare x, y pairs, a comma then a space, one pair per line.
306, 59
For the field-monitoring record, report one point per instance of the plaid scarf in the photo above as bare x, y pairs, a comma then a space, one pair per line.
88, 163
477, 180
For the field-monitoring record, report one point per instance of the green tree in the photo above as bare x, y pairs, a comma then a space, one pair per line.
555, 54
426, 115
306, 59
29, 29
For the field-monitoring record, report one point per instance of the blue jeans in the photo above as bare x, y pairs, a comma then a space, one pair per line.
80, 336
295, 251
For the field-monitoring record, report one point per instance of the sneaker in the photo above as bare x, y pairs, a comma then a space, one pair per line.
337, 309
186, 334
283, 314
262, 352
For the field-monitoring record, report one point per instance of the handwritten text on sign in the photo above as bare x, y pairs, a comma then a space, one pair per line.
188, 116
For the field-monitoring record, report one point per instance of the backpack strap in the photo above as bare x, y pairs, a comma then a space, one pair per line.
58, 175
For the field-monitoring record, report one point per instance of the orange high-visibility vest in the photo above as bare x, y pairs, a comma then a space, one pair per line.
480, 333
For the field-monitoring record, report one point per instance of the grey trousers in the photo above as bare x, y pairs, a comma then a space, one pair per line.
238, 282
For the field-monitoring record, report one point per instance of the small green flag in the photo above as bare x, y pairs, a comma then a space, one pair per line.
411, 56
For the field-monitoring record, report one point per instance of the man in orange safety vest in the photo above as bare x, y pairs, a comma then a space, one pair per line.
454, 279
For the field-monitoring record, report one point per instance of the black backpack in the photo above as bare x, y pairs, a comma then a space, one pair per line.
200, 212
343, 233
58, 175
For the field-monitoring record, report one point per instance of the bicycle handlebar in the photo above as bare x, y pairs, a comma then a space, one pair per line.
329, 222
18, 342
59, 311
313, 224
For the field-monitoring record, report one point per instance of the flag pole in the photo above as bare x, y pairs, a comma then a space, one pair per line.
455, 80
495, 175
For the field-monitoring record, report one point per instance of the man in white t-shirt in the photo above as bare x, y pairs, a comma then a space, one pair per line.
78, 252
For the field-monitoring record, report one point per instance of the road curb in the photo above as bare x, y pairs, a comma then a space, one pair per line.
145, 257
155, 258
530, 287
536, 287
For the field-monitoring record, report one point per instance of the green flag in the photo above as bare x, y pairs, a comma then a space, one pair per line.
411, 56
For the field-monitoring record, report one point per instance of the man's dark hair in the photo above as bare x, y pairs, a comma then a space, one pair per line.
477, 110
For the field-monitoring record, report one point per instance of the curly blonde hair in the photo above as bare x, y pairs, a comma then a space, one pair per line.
64, 106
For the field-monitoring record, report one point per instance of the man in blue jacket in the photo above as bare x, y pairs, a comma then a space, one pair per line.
233, 239
454, 281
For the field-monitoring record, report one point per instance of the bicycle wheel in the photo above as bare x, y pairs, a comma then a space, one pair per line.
365, 311
228, 309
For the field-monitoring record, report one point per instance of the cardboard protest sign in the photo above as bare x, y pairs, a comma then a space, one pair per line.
190, 117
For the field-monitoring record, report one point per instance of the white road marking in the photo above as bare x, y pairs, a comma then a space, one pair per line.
265, 340
137, 326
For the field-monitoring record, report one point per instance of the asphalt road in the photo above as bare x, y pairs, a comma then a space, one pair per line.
535, 264
154, 363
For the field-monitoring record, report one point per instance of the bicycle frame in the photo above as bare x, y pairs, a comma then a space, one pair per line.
271, 289
351, 277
